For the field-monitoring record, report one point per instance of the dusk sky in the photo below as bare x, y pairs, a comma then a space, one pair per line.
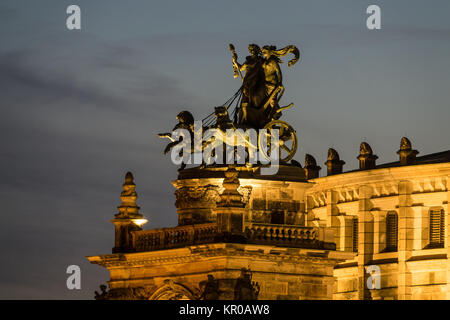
80, 108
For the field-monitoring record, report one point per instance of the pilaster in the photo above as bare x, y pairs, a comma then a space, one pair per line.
447, 235
365, 238
405, 238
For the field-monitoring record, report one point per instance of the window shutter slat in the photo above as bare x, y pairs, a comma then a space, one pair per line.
355, 235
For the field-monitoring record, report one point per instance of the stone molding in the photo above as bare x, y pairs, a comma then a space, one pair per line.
228, 251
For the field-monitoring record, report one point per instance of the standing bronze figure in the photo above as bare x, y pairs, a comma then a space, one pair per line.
262, 85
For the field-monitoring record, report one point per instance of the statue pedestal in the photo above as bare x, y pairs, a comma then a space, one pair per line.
268, 199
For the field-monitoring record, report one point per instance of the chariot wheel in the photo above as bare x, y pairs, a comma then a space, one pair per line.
287, 140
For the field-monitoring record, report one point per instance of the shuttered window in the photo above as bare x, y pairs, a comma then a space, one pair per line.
391, 231
355, 234
437, 229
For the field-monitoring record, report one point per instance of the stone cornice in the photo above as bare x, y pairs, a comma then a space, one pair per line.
219, 250
427, 178
243, 181
354, 178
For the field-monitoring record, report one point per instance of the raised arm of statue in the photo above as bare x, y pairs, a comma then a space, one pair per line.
236, 66
252, 62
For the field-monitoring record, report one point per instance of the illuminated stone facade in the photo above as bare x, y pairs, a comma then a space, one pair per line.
294, 235
394, 217
237, 239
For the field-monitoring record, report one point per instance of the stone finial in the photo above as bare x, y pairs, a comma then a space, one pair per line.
128, 219
231, 197
405, 144
406, 153
334, 163
366, 157
128, 207
311, 167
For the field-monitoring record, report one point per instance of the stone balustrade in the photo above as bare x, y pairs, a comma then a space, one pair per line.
288, 235
165, 238
255, 233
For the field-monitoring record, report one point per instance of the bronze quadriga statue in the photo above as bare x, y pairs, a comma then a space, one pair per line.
254, 106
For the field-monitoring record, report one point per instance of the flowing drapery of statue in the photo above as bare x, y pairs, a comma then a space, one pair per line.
256, 105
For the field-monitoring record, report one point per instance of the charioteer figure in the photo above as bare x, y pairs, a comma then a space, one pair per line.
262, 84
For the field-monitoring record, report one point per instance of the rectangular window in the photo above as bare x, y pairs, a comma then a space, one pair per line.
391, 231
437, 229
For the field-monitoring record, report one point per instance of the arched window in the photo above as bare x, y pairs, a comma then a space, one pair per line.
437, 228
391, 231
355, 234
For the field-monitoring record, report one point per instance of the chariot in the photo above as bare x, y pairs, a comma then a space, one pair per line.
227, 116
